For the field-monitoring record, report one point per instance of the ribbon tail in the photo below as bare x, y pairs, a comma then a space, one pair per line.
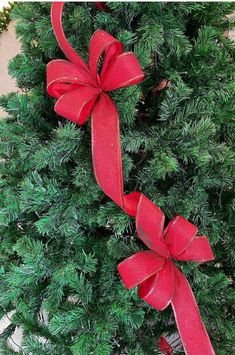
191, 328
106, 149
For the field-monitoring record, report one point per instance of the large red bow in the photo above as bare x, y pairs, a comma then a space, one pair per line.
159, 281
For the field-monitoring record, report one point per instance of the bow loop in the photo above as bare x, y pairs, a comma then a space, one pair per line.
150, 224
158, 289
179, 234
103, 43
77, 104
64, 76
139, 267
123, 71
198, 250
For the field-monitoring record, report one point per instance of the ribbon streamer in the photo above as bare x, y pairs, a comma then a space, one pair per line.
81, 90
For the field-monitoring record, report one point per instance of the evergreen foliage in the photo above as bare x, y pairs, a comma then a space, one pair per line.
61, 237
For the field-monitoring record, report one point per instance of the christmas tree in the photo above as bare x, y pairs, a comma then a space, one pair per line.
61, 237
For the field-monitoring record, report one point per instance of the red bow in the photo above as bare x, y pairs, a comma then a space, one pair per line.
159, 281
78, 86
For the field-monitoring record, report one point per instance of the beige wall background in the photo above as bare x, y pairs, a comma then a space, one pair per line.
9, 47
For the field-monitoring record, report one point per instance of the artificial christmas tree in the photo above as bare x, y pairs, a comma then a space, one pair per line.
61, 236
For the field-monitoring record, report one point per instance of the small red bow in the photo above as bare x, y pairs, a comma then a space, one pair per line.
159, 281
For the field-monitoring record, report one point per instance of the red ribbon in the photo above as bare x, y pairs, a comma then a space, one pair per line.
81, 91
166, 349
